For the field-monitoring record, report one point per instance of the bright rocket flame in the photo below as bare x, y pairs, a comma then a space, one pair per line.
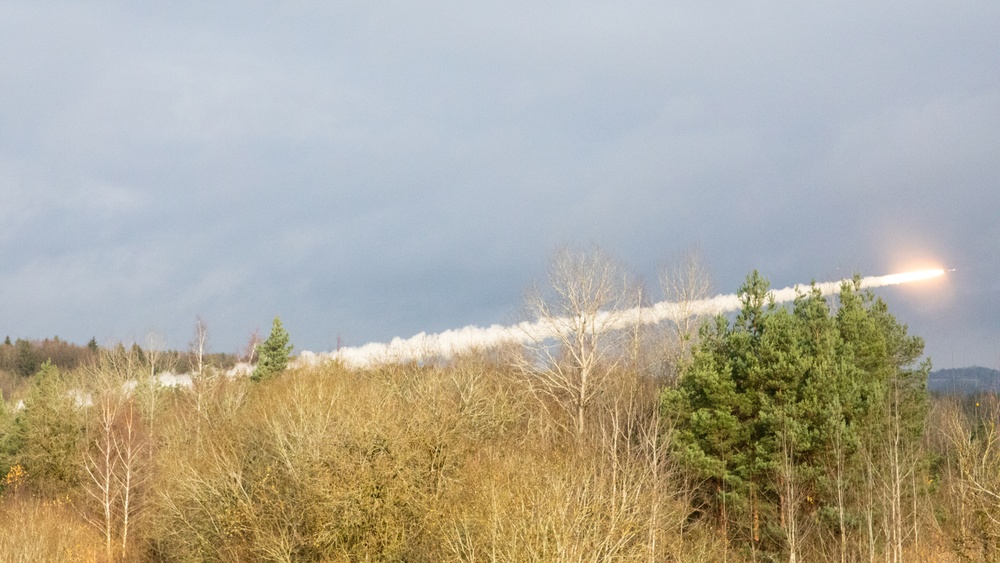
906, 277
452, 342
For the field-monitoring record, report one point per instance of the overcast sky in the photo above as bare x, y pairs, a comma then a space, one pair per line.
376, 169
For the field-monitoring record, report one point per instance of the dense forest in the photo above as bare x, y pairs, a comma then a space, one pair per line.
800, 433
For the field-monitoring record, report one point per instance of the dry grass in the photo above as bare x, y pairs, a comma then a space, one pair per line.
42, 531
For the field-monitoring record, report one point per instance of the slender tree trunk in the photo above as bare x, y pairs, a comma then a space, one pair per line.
725, 525
581, 402
897, 478
130, 456
654, 462
916, 527
870, 505
839, 446
789, 497
100, 466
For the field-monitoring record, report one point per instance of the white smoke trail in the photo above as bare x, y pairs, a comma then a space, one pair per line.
449, 343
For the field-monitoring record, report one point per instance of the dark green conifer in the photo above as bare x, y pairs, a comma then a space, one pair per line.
782, 411
273, 354
27, 359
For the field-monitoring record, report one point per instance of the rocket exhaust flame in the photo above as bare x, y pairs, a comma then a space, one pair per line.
896, 279
451, 342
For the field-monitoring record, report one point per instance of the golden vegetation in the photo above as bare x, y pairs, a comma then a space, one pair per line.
458, 462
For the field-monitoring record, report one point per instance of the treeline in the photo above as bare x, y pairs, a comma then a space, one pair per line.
25, 357
801, 433
21, 358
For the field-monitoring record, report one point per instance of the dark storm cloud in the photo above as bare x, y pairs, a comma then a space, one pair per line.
379, 170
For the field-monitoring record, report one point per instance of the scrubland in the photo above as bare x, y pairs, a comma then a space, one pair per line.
458, 462
398, 463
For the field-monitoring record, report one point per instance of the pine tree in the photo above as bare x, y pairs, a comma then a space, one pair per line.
273, 354
27, 359
785, 412
48, 433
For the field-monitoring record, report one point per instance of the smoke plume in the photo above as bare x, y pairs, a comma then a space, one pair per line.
449, 343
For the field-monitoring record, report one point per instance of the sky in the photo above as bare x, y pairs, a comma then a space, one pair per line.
366, 170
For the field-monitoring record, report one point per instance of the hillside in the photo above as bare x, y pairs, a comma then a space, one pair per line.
968, 380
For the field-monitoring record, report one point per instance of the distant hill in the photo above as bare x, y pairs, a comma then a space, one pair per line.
964, 380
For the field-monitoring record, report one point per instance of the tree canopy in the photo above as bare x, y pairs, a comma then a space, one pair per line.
785, 411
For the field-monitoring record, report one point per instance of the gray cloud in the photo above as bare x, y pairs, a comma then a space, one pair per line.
382, 170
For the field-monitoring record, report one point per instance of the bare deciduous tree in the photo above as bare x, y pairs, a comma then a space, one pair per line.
148, 389
576, 341
249, 352
114, 463
687, 284
974, 439
199, 346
